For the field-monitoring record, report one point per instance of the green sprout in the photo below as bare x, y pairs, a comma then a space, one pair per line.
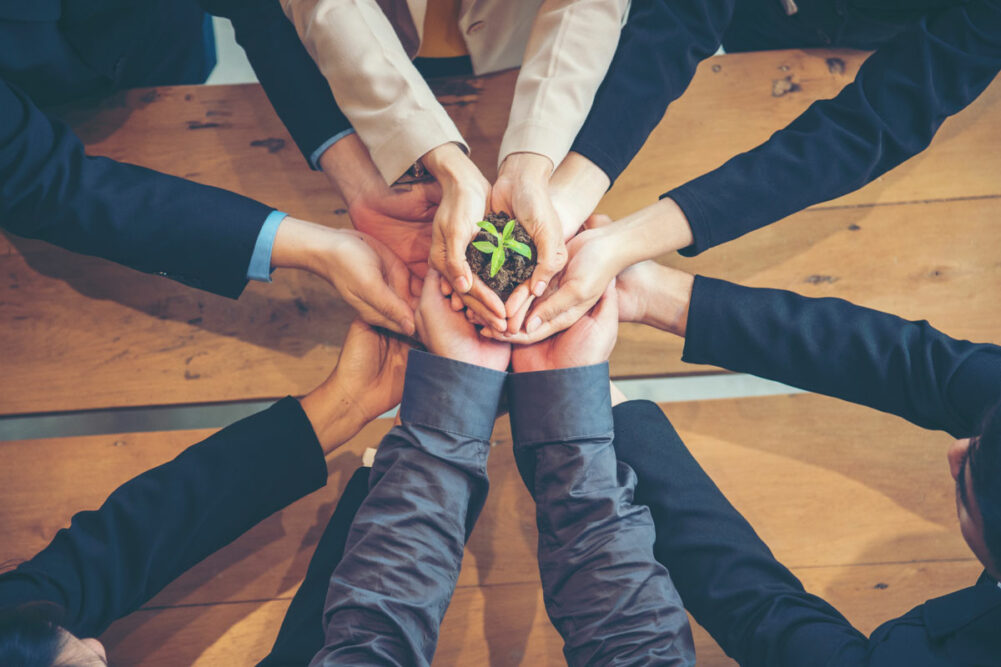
505, 241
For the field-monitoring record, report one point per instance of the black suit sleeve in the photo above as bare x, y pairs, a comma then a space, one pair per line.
151, 529
661, 44
751, 604
298, 91
51, 190
833, 347
899, 98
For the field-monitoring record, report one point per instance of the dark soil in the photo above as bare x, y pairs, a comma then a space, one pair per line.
516, 269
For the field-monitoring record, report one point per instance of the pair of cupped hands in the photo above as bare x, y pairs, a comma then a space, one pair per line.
410, 227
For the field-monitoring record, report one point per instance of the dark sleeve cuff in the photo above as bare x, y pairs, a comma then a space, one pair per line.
689, 204
450, 395
706, 330
560, 405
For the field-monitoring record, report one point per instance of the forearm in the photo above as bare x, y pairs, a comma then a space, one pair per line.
751, 604
661, 45
568, 53
51, 190
294, 85
898, 100
604, 591
375, 84
836, 348
389, 593
150, 530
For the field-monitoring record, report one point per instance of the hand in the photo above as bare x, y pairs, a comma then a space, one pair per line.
448, 333
369, 277
399, 215
522, 191
463, 204
589, 341
367, 381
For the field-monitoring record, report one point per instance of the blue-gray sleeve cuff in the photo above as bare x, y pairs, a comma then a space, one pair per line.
450, 395
260, 259
314, 157
560, 405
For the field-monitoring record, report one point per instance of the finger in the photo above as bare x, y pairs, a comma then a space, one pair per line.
517, 300
597, 220
416, 285
515, 322
566, 299
552, 258
488, 299
554, 326
394, 309
446, 288
456, 301
456, 267
487, 317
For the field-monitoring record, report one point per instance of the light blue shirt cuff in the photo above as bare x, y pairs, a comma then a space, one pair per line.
260, 260
314, 158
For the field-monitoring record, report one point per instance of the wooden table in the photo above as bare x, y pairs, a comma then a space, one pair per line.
819, 479
82, 333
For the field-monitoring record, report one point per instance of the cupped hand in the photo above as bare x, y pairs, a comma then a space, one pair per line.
589, 341
367, 381
522, 191
449, 333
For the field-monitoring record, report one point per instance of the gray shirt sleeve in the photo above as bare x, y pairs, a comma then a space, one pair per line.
388, 594
609, 599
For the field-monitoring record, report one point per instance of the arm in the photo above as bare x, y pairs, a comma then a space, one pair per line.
151, 529
605, 593
297, 91
51, 190
899, 98
751, 604
829, 346
371, 76
661, 45
390, 591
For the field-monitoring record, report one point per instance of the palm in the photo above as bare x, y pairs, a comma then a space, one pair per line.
371, 369
402, 221
565, 350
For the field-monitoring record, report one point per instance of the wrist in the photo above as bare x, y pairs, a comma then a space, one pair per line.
668, 295
526, 168
332, 416
305, 245
448, 163
348, 166
652, 231
576, 187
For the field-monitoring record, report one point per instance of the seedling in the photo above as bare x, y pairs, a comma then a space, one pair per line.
503, 241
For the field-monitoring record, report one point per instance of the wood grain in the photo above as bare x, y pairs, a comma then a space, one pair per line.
80, 333
821, 481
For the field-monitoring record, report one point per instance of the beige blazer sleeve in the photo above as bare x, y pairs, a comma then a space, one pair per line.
370, 74
568, 53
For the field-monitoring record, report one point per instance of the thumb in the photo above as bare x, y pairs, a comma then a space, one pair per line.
552, 257
395, 309
566, 298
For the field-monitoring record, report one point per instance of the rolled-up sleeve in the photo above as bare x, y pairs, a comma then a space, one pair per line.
390, 591
607, 596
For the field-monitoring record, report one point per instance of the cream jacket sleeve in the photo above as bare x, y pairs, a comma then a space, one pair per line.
370, 74
570, 48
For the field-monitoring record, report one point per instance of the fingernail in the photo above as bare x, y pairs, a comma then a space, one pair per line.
533, 324
540, 288
462, 284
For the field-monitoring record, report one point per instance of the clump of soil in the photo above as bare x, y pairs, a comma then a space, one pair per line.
516, 270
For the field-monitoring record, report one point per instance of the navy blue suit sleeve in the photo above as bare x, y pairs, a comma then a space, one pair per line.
833, 347
293, 83
605, 593
387, 596
150, 530
751, 604
899, 98
661, 44
51, 190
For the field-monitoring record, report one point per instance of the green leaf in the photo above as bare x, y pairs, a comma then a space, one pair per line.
519, 247
484, 246
488, 227
497, 261
508, 233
